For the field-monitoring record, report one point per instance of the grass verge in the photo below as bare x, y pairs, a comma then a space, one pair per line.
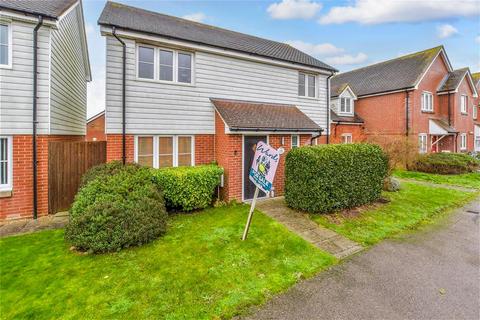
412, 206
469, 180
199, 270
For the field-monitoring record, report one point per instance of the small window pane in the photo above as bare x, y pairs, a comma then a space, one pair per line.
146, 62
184, 60
3, 54
311, 86
3, 34
166, 65
184, 68
146, 54
184, 151
145, 151
166, 73
301, 84
294, 141
145, 70
165, 152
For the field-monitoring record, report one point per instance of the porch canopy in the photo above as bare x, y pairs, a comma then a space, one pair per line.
241, 116
439, 127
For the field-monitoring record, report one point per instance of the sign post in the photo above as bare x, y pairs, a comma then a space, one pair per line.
262, 172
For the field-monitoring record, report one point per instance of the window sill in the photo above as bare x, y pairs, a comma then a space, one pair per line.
308, 98
5, 66
344, 114
5, 193
464, 113
171, 83
428, 111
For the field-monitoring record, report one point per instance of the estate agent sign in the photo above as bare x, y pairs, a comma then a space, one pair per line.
262, 173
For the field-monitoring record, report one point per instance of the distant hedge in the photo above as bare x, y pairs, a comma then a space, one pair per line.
188, 188
321, 179
445, 163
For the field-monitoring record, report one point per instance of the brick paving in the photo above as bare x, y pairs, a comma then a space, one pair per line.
302, 225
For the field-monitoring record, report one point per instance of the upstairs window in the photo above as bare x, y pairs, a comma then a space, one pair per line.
5, 163
5, 45
346, 105
463, 104
427, 102
166, 65
184, 67
307, 85
146, 62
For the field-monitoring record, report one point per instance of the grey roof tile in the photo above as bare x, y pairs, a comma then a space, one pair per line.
453, 79
48, 8
346, 119
136, 19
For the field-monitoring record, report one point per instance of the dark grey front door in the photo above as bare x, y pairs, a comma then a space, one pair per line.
249, 149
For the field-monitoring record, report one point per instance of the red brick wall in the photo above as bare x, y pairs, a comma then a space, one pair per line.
463, 122
96, 129
356, 131
204, 148
20, 203
114, 147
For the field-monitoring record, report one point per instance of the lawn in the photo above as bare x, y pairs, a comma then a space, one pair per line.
469, 180
199, 270
413, 205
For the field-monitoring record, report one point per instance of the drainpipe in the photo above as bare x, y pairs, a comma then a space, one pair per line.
34, 115
449, 108
328, 107
315, 137
124, 57
407, 107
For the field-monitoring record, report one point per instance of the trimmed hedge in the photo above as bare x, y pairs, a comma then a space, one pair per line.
188, 188
321, 179
115, 211
445, 163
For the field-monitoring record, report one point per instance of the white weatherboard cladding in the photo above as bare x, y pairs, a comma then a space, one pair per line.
16, 84
69, 88
163, 108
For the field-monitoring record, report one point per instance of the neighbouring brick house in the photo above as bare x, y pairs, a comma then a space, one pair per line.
195, 94
96, 127
476, 112
62, 73
418, 96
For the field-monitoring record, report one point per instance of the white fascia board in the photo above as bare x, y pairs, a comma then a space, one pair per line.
12, 15
210, 49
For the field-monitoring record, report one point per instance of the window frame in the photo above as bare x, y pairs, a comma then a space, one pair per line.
156, 145
155, 64
307, 85
174, 65
177, 66
464, 106
347, 138
463, 141
420, 143
475, 112
9, 185
422, 103
292, 145
10, 45
350, 105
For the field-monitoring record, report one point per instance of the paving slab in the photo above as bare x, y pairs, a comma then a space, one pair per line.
22, 226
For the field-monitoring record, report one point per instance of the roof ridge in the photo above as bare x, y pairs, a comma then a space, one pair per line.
437, 48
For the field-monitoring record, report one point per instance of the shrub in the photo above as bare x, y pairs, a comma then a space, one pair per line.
105, 170
188, 188
401, 151
445, 163
120, 210
330, 177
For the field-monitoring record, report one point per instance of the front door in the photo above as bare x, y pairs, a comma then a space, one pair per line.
249, 143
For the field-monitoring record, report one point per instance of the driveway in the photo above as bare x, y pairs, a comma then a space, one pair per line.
429, 274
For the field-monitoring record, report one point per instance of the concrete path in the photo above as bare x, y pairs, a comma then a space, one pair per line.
429, 274
14, 227
302, 225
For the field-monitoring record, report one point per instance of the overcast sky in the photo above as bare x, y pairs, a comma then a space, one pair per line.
344, 34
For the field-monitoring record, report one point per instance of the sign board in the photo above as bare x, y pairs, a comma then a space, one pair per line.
264, 166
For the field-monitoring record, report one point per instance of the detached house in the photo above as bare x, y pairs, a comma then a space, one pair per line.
418, 96
181, 93
44, 70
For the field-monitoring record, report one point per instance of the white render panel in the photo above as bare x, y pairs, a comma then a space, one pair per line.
153, 107
16, 83
68, 86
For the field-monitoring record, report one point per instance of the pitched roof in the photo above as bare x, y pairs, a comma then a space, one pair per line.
51, 8
96, 116
260, 116
444, 125
346, 119
131, 18
453, 80
396, 74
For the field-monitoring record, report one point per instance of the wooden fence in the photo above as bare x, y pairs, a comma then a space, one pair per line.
67, 162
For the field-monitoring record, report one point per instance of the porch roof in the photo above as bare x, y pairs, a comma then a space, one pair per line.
438, 127
263, 116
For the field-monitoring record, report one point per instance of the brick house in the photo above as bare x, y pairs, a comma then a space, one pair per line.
96, 127
195, 94
418, 96
43, 96
476, 112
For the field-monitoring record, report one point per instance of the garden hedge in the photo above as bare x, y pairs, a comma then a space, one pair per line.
188, 188
445, 163
105, 170
115, 211
321, 179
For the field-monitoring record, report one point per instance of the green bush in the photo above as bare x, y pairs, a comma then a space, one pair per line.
325, 178
105, 170
119, 210
445, 163
188, 188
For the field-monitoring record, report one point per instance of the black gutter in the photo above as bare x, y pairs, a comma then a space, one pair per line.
407, 107
328, 107
274, 129
34, 116
124, 59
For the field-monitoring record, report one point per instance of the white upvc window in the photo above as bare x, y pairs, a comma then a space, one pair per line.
463, 141
346, 105
346, 138
422, 143
5, 45
474, 112
463, 103
164, 65
427, 101
295, 141
6, 163
307, 85
163, 151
